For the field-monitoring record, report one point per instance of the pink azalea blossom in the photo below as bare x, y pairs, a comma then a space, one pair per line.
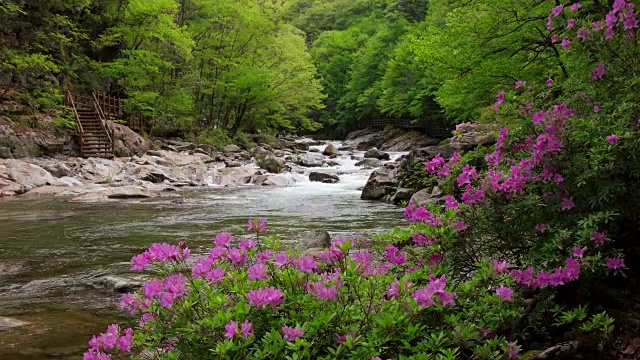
597, 25
554, 39
541, 228
612, 139
598, 72
596, 109
291, 334
231, 329
615, 263
519, 84
578, 252
246, 329
549, 82
505, 293
598, 237
556, 11
257, 272
571, 23
567, 204
575, 7
566, 43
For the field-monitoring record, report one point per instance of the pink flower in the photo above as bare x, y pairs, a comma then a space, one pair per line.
554, 39
578, 252
519, 84
598, 72
461, 226
583, 32
291, 334
549, 82
550, 25
567, 204
246, 329
281, 259
540, 228
566, 43
263, 296
231, 329
612, 139
596, 109
152, 288
259, 225
512, 351
571, 23
615, 263
257, 272
556, 11
307, 264
175, 284
500, 266
618, 5
575, 7
223, 239
451, 202
597, 25
598, 237
505, 293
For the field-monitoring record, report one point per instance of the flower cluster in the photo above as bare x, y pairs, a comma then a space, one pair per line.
111, 339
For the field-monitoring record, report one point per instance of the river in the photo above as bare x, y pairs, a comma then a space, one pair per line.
52, 250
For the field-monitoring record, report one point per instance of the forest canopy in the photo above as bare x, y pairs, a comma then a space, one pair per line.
258, 65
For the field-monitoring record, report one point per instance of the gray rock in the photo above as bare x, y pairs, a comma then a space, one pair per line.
313, 239
66, 181
311, 160
402, 194
322, 177
129, 193
374, 153
381, 182
369, 163
271, 163
330, 150
5, 153
121, 284
231, 149
428, 196
25, 174
232, 164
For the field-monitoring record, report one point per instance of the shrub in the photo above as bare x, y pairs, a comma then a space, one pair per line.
533, 229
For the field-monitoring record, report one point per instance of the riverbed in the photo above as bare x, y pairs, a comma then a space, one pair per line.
53, 250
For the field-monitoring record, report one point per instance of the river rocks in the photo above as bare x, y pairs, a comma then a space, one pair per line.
330, 150
428, 196
231, 149
100, 169
324, 178
121, 284
271, 163
402, 194
128, 142
268, 180
313, 239
232, 164
311, 160
7, 323
369, 163
129, 193
27, 175
236, 176
409, 141
381, 182
374, 153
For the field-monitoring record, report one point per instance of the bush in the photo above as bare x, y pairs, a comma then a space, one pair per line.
528, 248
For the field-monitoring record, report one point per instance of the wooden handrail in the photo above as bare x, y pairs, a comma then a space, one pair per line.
103, 120
71, 103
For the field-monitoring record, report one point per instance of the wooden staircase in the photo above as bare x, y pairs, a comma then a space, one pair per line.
95, 135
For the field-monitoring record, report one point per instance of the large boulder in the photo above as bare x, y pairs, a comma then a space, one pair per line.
330, 150
369, 163
100, 169
128, 142
402, 194
324, 178
311, 160
271, 163
24, 174
231, 149
374, 153
381, 182
428, 196
409, 141
313, 239
236, 176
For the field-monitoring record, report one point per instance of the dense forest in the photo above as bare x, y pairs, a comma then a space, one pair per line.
274, 65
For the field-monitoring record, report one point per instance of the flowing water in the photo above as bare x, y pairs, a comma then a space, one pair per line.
52, 251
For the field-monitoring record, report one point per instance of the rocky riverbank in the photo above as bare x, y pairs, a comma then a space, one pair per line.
396, 182
151, 169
